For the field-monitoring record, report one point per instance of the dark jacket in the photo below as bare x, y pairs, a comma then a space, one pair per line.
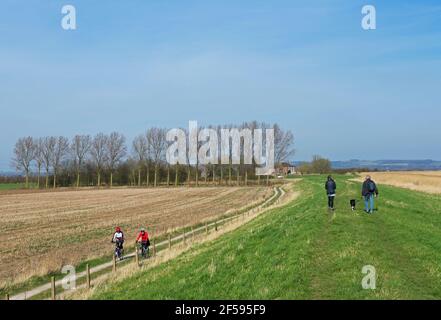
365, 189
330, 186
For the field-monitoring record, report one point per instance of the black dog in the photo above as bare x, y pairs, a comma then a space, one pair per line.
352, 202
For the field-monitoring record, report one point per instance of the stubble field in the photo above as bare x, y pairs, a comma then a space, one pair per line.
42, 231
425, 181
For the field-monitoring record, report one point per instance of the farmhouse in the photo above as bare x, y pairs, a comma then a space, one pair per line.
285, 168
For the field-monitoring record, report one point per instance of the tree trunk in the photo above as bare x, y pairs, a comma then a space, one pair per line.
229, 174
221, 173
238, 176
188, 175
156, 176
214, 175
176, 174
139, 176
38, 178
168, 175
111, 179
246, 177
99, 179
47, 178
206, 174
258, 180
55, 179
27, 180
78, 179
267, 179
148, 176
197, 175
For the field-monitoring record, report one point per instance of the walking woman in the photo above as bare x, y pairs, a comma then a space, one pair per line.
368, 192
330, 187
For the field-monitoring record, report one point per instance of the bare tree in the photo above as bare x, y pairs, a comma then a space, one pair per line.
98, 151
60, 151
156, 138
133, 165
116, 150
221, 167
148, 158
283, 145
80, 147
176, 174
23, 156
139, 151
39, 158
47, 152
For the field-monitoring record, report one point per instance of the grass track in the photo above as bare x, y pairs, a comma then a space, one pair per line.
15, 186
301, 251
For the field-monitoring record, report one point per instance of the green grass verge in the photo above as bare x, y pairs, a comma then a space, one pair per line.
302, 251
15, 186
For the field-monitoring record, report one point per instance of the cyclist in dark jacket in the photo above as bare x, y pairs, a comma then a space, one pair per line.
368, 191
330, 187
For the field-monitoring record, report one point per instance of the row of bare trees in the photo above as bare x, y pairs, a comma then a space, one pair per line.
85, 160
56, 154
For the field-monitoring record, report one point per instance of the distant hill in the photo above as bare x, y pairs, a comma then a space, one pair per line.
392, 165
385, 165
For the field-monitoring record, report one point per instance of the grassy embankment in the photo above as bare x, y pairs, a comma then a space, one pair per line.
302, 251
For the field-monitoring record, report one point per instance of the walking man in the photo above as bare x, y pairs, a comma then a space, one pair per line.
330, 187
368, 191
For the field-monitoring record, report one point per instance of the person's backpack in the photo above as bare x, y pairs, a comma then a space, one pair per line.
330, 185
371, 186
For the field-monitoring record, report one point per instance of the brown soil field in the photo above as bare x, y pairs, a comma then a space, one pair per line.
42, 231
425, 181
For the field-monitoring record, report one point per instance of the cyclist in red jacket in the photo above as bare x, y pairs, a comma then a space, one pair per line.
143, 239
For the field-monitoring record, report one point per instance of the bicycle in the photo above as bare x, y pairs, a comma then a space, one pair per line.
119, 249
144, 248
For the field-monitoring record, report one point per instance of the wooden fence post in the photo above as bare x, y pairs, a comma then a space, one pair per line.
114, 263
136, 255
87, 276
215, 225
206, 228
7, 296
169, 241
53, 293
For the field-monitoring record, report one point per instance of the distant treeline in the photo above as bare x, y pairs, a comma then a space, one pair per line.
320, 165
12, 179
106, 160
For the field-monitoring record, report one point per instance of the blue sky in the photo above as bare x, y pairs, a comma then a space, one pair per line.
308, 65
